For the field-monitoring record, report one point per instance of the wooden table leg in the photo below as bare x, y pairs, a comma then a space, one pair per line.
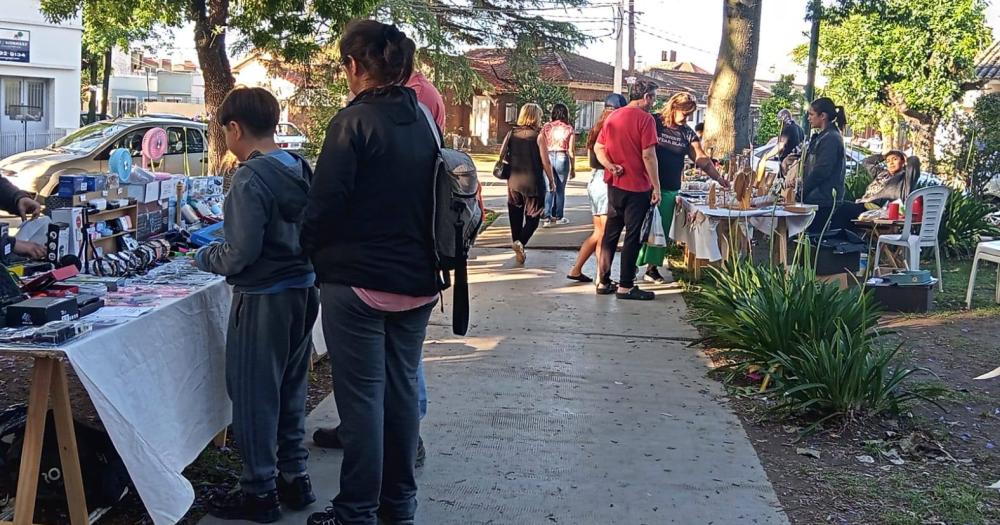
34, 432
781, 235
69, 454
49, 377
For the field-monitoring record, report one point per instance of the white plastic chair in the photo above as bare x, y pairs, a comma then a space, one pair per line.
935, 200
985, 251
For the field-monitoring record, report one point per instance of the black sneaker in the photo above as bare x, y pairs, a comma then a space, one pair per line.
296, 494
327, 438
421, 453
653, 276
239, 505
635, 294
323, 518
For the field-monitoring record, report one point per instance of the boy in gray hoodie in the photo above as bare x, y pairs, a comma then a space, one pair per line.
275, 303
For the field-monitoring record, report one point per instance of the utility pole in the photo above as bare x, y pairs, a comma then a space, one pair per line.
815, 13
620, 27
631, 38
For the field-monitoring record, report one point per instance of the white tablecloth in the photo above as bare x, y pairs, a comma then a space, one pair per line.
159, 386
697, 225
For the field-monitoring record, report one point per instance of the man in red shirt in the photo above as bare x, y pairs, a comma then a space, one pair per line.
626, 148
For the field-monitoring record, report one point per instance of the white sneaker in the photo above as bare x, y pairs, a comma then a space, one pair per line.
519, 254
546, 223
564, 220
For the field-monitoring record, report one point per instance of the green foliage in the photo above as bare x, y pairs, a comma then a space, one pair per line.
856, 184
783, 96
908, 56
818, 343
964, 223
847, 376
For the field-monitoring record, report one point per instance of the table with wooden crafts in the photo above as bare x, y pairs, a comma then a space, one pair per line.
708, 233
157, 382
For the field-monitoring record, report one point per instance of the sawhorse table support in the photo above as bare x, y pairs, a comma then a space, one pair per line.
48, 380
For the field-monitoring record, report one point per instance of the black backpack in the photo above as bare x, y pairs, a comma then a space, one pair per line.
457, 219
105, 478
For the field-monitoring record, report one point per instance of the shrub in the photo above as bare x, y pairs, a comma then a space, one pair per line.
753, 314
964, 223
856, 185
847, 376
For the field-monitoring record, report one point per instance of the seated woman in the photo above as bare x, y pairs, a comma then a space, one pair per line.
893, 180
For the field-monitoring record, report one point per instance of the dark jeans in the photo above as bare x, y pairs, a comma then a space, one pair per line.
267, 374
374, 356
626, 210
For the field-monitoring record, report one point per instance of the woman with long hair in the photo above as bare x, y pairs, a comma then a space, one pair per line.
558, 139
676, 141
824, 166
597, 192
528, 173
366, 231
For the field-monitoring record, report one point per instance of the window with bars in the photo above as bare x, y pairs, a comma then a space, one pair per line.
128, 106
24, 98
510, 113
587, 114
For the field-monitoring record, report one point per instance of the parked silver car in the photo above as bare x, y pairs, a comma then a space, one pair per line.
86, 150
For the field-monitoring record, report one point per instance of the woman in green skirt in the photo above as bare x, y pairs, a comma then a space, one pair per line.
676, 140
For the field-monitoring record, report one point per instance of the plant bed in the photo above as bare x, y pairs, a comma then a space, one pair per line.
920, 464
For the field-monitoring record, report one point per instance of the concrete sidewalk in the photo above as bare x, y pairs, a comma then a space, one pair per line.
562, 237
571, 408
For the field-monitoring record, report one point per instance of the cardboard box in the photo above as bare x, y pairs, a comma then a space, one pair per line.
96, 183
74, 218
57, 242
168, 188
42, 310
144, 192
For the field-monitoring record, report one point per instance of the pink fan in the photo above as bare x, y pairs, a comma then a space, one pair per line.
154, 146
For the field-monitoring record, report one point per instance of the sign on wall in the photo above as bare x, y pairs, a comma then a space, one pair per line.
15, 45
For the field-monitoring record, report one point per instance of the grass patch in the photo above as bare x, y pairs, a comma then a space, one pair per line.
486, 161
951, 497
489, 219
955, 273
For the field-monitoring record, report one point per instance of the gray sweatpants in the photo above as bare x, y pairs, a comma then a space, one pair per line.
267, 376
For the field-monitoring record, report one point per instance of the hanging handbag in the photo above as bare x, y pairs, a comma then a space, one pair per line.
501, 169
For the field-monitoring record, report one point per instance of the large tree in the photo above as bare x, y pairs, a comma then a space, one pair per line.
908, 59
728, 123
295, 30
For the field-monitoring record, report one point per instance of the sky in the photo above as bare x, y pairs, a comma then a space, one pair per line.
692, 28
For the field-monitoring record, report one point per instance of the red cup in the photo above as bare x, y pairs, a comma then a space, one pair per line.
918, 209
893, 211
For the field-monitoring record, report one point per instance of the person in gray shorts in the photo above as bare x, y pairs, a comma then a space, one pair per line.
597, 191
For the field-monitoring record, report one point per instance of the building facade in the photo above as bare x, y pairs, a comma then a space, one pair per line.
39, 77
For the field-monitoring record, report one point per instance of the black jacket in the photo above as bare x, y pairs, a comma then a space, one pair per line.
263, 223
368, 219
790, 140
824, 169
9, 196
527, 176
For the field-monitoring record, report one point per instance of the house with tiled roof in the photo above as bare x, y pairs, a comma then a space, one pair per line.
491, 114
988, 68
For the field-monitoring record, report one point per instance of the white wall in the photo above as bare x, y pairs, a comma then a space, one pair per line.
55, 55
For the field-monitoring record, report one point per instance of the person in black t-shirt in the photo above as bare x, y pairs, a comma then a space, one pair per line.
788, 149
676, 141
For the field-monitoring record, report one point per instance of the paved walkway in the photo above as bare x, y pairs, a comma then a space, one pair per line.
569, 408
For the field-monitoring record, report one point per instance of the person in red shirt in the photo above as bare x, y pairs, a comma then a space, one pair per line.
626, 147
428, 95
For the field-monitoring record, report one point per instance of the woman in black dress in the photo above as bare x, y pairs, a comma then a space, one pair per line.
526, 187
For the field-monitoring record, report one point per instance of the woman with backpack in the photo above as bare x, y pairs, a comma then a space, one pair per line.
371, 197
526, 185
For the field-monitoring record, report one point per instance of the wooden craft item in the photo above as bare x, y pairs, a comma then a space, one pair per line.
711, 197
742, 188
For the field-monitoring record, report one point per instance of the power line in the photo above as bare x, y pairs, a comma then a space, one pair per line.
642, 29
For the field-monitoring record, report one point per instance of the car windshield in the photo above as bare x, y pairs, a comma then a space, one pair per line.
89, 138
288, 129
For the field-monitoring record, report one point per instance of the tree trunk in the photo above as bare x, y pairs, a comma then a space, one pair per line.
924, 131
92, 88
106, 82
210, 42
728, 123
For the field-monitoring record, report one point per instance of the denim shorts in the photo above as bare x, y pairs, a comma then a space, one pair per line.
597, 190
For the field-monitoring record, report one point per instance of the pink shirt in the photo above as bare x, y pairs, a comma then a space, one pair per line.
428, 95
557, 135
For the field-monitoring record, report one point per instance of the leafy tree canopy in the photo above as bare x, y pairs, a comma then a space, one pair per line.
913, 56
784, 95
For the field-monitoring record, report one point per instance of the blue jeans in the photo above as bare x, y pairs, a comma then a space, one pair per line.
421, 388
555, 200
